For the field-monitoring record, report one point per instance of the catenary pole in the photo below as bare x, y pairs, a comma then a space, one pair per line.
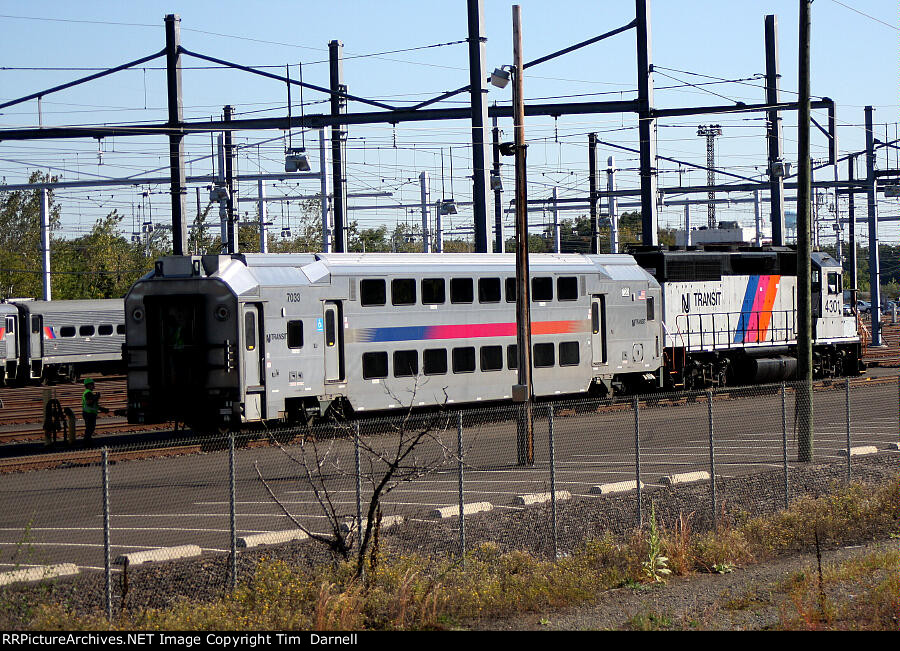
176, 135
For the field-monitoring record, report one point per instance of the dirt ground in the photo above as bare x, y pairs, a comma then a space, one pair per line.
748, 598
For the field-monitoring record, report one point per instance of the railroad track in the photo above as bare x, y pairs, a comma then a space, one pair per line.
889, 356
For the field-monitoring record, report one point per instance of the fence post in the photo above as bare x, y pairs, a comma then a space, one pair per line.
232, 509
712, 457
106, 564
462, 519
553, 487
637, 460
847, 401
358, 482
787, 496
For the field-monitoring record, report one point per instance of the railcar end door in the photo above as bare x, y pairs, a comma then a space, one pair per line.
252, 358
598, 330
334, 362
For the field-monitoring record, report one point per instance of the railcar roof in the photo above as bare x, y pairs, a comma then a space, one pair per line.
55, 307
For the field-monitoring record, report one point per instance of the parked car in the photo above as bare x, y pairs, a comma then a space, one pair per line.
863, 307
848, 311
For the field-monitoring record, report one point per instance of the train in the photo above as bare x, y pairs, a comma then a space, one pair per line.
225, 340
59, 341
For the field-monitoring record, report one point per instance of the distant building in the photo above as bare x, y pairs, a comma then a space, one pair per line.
726, 233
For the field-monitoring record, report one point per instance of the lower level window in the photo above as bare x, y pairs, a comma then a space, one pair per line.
543, 355
375, 365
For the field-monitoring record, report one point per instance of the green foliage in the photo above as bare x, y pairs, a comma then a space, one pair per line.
656, 566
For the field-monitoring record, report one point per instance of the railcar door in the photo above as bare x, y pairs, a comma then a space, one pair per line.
598, 330
36, 345
252, 364
334, 358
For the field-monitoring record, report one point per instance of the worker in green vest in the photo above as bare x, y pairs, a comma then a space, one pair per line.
90, 406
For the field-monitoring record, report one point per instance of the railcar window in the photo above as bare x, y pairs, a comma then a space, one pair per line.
595, 318
120, 329
433, 292
568, 353
461, 290
816, 281
464, 360
542, 288
567, 288
406, 363
403, 291
434, 361
35, 324
512, 357
543, 355
10, 324
375, 365
249, 331
330, 334
492, 358
372, 291
295, 334
834, 283
86, 331
510, 290
67, 331
104, 329
650, 309
488, 290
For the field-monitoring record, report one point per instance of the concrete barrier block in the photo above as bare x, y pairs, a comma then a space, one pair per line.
271, 538
160, 554
32, 574
615, 487
685, 478
540, 498
386, 521
860, 451
468, 509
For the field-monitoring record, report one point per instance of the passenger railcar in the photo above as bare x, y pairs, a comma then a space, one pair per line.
60, 340
732, 314
242, 338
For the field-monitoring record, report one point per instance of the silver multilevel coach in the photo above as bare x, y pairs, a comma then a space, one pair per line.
218, 340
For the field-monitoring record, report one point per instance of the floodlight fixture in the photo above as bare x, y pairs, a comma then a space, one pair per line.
448, 207
500, 76
296, 160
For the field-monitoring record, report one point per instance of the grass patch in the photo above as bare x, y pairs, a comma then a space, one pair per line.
418, 592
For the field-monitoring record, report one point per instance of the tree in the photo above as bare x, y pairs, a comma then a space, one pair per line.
20, 239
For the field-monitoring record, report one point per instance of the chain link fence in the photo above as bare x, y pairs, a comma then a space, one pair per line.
544, 478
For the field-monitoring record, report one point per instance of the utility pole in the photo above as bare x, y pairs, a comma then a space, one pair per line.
522, 392
687, 225
612, 205
323, 189
851, 217
756, 218
338, 144
776, 163
497, 184
176, 137
594, 197
263, 231
233, 244
710, 132
45, 243
478, 94
646, 126
423, 193
557, 243
874, 258
803, 396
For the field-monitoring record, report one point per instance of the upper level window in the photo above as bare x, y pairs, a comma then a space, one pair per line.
542, 288
295, 334
433, 291
567, 288
403, 291
461, 290
105, 329
86, 331
488, 290
372, 291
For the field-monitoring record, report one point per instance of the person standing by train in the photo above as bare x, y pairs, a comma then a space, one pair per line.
90, 406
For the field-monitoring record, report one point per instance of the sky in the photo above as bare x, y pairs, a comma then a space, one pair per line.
694, 42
